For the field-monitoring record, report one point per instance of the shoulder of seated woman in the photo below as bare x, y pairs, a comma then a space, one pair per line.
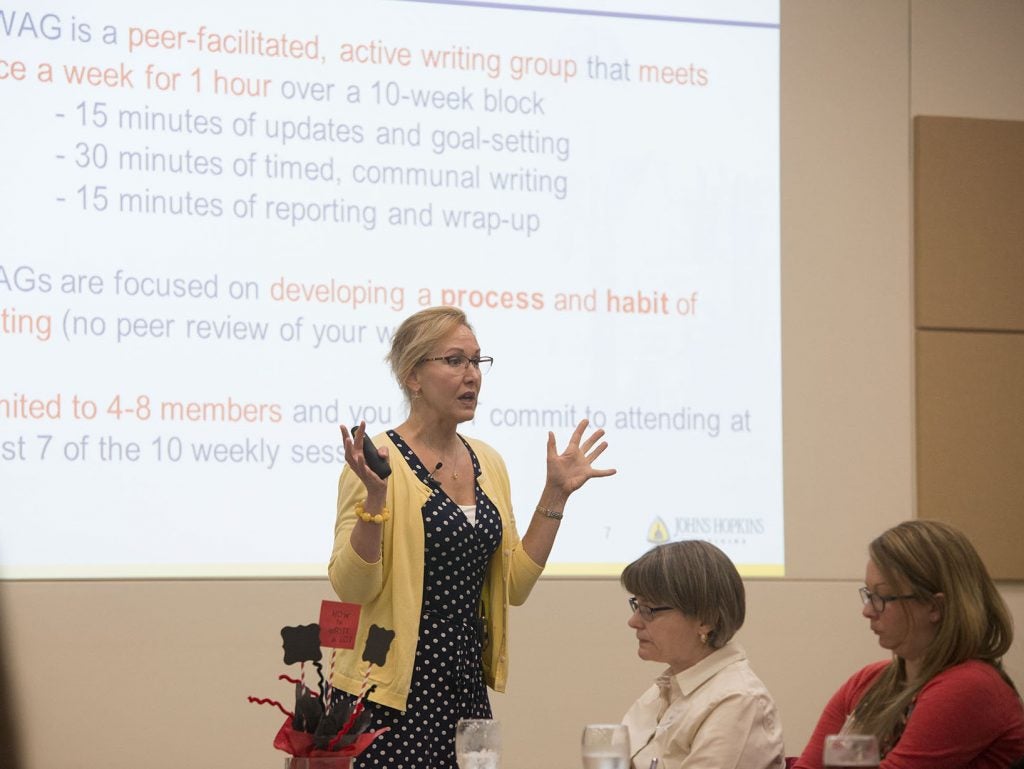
973, 674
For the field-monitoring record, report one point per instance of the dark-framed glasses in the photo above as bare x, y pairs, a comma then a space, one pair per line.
646, 612
460, 362
879, 602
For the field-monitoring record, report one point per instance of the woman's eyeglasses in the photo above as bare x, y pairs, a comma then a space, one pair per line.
646, 612
461, 362
879, 602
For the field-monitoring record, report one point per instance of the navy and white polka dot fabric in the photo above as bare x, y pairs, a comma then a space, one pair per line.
447, 679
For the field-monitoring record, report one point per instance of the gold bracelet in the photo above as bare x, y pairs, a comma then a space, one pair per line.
548, 513
380, 517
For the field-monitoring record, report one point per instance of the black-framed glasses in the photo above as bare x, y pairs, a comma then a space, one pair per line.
646, 612
879, 602
461, 362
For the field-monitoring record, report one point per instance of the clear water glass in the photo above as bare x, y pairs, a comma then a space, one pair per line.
605, 746
478, 743
850, 750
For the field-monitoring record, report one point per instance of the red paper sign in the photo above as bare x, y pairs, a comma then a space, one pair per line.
338, 624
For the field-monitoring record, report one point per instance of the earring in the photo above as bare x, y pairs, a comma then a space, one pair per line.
415, 395
704, 638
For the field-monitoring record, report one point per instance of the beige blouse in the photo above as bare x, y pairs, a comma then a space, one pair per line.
714, 715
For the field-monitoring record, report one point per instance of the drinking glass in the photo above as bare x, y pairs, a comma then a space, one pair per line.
478, 743
605, 746
843, 750
318, 762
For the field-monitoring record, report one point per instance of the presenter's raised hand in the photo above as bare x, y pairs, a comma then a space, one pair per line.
569, 470
356, 459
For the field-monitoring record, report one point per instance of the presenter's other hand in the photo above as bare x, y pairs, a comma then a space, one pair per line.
569, 470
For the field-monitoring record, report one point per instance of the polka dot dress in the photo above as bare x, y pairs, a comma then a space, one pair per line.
447, 678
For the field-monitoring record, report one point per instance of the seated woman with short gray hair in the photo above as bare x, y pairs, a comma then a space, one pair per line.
707, 708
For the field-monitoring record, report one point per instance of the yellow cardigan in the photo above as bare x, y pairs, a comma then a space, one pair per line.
391, 590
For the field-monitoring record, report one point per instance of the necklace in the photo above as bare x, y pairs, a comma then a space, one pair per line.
454, 471
443, 463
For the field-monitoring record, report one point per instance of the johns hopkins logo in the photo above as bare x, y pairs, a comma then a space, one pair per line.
657, 532
718, 530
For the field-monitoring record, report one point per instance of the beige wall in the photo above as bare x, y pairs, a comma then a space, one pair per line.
155, 674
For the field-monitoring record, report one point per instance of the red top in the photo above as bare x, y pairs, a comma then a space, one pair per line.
966, 717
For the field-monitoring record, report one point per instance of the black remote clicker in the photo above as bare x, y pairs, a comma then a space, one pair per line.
374, 460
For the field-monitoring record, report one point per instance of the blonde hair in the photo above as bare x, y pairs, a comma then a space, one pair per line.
417, 336
696, 578
924, 558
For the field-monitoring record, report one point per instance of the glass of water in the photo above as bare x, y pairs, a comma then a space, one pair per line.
848, 750
605, 746
478, 743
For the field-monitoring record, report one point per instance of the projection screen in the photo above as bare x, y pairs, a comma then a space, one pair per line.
214, 216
